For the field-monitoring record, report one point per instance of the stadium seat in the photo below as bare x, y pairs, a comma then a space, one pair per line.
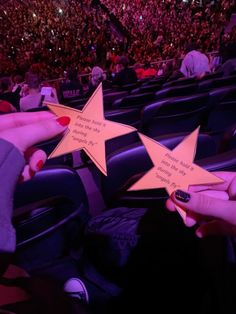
157, 80
228, 140
128, 87
180, 82
230, 96
217, 82
211, 76
79, 102
223, 93
178, 114
125, 116
221, 118
109, 98
45, 209
146, 89
177, 91
134, 101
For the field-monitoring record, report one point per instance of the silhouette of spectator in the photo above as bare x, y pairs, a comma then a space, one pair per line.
72, 83
126, 75
7, 94
230, 64
195, 62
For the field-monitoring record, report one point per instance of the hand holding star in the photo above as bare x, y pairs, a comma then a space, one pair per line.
88, 130
174, 169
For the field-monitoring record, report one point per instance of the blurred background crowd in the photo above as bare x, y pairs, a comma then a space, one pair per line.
56, 35
85, 42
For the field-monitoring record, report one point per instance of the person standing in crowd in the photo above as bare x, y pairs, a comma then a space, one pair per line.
125, 75
97, 76
18, 83
195, 63
35, 99
72, 83
149, 71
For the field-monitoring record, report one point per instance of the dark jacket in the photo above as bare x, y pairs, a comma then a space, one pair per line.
125, 76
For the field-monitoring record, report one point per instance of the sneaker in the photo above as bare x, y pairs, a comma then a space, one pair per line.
75, 288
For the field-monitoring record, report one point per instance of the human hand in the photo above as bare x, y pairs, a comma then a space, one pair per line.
213, 207
24, 130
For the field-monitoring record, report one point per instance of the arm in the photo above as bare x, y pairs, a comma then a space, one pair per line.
9, 156
18, 132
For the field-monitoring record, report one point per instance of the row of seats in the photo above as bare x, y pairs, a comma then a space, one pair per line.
173, 109
148, 85
142, 96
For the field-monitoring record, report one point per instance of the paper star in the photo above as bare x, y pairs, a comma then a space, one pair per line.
88, 130
173, 169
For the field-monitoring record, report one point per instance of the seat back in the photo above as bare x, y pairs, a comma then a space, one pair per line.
217, 82
157, 80
211, 76
48, 183
222, 117
228, 140
180, 82
134, 100
119, 142
219, 162
147, 89
109, 98
125, 116
129, 87
217, 95
45, 208
180, 114
177, 91
230, 96
77, 102
224, 81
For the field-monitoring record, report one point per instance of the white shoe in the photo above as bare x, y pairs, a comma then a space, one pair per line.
75, 288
